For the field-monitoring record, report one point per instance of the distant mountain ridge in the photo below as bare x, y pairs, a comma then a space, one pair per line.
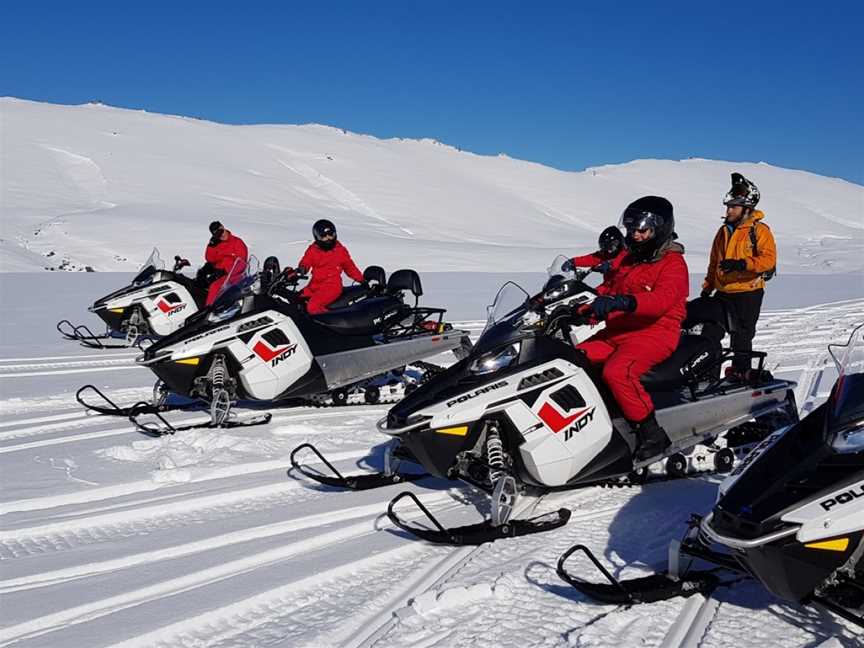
98, 186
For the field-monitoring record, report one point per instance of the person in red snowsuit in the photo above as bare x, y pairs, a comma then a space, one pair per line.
611, 251
226, 255
643, 303
327, 259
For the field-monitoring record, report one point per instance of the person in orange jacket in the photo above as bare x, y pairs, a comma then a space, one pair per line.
226, 257
611, 250
743, 255
327, 259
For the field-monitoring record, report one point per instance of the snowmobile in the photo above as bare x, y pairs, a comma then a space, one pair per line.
791, 515
525, 412
156, 303
257, 344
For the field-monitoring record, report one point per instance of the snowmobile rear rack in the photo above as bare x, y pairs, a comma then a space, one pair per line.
647, 589
475, 534
351, 482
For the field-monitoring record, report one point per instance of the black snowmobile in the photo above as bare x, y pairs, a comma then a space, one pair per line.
257, 344
791, 515
156, 303
526, 413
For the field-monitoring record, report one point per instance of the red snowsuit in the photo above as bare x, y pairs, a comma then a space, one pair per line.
327, 267
591, 260
634, 342
223, 256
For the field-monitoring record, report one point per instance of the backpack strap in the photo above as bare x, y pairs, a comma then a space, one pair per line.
753, 239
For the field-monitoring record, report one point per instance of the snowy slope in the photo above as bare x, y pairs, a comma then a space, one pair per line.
109, 538
98, 186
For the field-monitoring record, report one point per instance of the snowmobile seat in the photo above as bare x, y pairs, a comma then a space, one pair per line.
405, 280
375, 278
366, 317
694, 355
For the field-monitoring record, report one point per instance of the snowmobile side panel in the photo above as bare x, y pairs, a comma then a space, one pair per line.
830, 515
348, 367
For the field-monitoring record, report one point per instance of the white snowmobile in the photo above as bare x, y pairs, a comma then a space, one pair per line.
790, 515
527, 412
156, 303
257, 344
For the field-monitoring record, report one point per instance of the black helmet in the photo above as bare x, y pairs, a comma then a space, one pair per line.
743, 192
321, 229
611, 241
648, 213
215, 227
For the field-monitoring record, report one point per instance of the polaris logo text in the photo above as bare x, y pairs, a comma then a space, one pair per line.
843, 498
476, 393
580, 423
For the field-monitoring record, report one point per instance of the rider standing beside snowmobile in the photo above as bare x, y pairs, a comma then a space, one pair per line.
225, 253
327, 259
606, 259
743, 255
643, 303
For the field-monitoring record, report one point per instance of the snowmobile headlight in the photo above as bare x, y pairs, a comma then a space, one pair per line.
224, 313
495, 360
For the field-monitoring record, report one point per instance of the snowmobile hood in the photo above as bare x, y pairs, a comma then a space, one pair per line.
159, 277
800, 467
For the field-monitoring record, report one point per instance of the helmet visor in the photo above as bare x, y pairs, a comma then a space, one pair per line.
637, 220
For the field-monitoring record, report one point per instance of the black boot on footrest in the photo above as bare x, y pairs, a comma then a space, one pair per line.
652, 439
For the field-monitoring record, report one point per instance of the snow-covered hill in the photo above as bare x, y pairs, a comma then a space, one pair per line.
99, 186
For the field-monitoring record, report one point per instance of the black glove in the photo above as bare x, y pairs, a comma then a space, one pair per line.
733, 265
215, 240
706, 292
605, 304
603, 267
568, 266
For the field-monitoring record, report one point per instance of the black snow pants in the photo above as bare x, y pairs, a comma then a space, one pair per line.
743, 309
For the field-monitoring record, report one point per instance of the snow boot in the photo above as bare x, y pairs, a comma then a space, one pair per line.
652, 439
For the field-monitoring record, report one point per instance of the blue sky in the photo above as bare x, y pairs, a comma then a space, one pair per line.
569, 84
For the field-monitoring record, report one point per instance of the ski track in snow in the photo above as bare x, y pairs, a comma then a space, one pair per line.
201, 539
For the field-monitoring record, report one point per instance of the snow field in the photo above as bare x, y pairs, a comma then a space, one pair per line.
110, 538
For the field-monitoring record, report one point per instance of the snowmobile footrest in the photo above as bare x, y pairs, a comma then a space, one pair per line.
475, 534
351, 482
647, 589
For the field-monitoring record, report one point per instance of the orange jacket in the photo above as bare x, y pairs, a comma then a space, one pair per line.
737, 244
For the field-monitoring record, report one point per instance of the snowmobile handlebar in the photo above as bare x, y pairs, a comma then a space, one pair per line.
180, 263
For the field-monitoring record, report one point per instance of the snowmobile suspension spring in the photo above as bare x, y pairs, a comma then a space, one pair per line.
217, 372
494, 452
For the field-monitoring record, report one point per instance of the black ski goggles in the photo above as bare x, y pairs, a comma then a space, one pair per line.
637, 220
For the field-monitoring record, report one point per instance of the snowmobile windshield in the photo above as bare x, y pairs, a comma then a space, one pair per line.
241, 281
555, 270
846, 403
152, 265
510, 303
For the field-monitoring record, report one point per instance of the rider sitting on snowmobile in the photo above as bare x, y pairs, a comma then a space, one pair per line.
643, 303
327, 259
606, 259
225, 253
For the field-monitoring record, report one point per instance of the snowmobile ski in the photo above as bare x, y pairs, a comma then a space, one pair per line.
647, 589
355, 482
475, 534
163, 427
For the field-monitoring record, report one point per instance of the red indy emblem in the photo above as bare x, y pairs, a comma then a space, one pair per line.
168, 309
273, 356
555, 422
